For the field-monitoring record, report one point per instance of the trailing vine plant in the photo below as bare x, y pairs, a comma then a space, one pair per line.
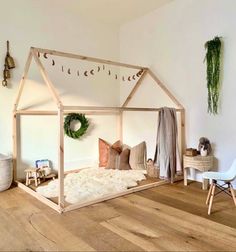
212, 58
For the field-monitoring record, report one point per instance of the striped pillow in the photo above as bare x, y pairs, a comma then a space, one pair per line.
138, 156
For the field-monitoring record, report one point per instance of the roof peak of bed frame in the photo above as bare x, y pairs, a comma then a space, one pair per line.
86, 58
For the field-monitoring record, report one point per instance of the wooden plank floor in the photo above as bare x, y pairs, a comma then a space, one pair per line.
165, 218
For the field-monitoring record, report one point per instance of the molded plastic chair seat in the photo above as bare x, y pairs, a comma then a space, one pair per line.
230, 175
222, 176
227, 177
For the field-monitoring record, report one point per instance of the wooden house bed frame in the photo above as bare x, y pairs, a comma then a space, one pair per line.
89, 110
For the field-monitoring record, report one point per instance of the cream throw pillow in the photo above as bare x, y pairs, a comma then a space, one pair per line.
138, 156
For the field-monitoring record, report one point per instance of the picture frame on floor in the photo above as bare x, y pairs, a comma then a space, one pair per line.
42, 163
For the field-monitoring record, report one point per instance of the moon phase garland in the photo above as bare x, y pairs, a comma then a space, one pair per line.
92, 72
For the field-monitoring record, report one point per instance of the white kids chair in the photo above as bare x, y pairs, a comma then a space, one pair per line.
226, 177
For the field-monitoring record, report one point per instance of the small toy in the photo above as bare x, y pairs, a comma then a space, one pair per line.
204, 146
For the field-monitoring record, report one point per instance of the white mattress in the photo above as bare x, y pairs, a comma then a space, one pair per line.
93, 183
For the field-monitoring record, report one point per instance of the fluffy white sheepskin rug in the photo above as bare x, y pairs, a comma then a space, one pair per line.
93, 183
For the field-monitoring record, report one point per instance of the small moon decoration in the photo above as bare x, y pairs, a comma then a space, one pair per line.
53, 62
129, 78
92, 72
139, 73
99, 68
78, 72
133, 77
45, 55
86, 73
109, 72
68, 71
116, 76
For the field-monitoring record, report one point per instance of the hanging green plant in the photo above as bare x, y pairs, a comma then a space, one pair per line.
75, 117
212, 58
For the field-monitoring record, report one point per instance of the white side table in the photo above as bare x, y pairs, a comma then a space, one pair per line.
199, 163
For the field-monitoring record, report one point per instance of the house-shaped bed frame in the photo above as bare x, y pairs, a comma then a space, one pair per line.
62, 110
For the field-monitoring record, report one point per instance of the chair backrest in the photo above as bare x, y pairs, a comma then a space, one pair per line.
232, 170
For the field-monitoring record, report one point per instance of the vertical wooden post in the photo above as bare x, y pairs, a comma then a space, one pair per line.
120, 126
15, 142
61, 198
182, 122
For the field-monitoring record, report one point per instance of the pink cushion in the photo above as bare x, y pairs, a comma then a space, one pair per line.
104, 147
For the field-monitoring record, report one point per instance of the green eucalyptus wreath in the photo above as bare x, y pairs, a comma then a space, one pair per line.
75, 117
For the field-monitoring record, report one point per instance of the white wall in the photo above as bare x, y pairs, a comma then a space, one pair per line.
171, 41
46, 24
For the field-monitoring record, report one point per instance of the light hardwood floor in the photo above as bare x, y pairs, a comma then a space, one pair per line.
165, 218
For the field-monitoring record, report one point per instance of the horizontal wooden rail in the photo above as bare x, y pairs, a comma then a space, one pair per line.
52, 112
88, 110
94, 108
86, 58
36, 112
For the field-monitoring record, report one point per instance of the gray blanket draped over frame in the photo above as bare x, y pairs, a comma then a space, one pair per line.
167, 156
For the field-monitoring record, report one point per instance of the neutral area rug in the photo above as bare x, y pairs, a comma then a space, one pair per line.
93, 183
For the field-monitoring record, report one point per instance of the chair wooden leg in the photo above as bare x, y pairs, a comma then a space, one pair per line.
212, 196
209, 194
232, 192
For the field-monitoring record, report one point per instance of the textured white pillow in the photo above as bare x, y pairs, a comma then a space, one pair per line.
138, 156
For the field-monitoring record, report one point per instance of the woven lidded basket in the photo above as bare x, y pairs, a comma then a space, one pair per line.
191, 152
152, 170
6, 172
